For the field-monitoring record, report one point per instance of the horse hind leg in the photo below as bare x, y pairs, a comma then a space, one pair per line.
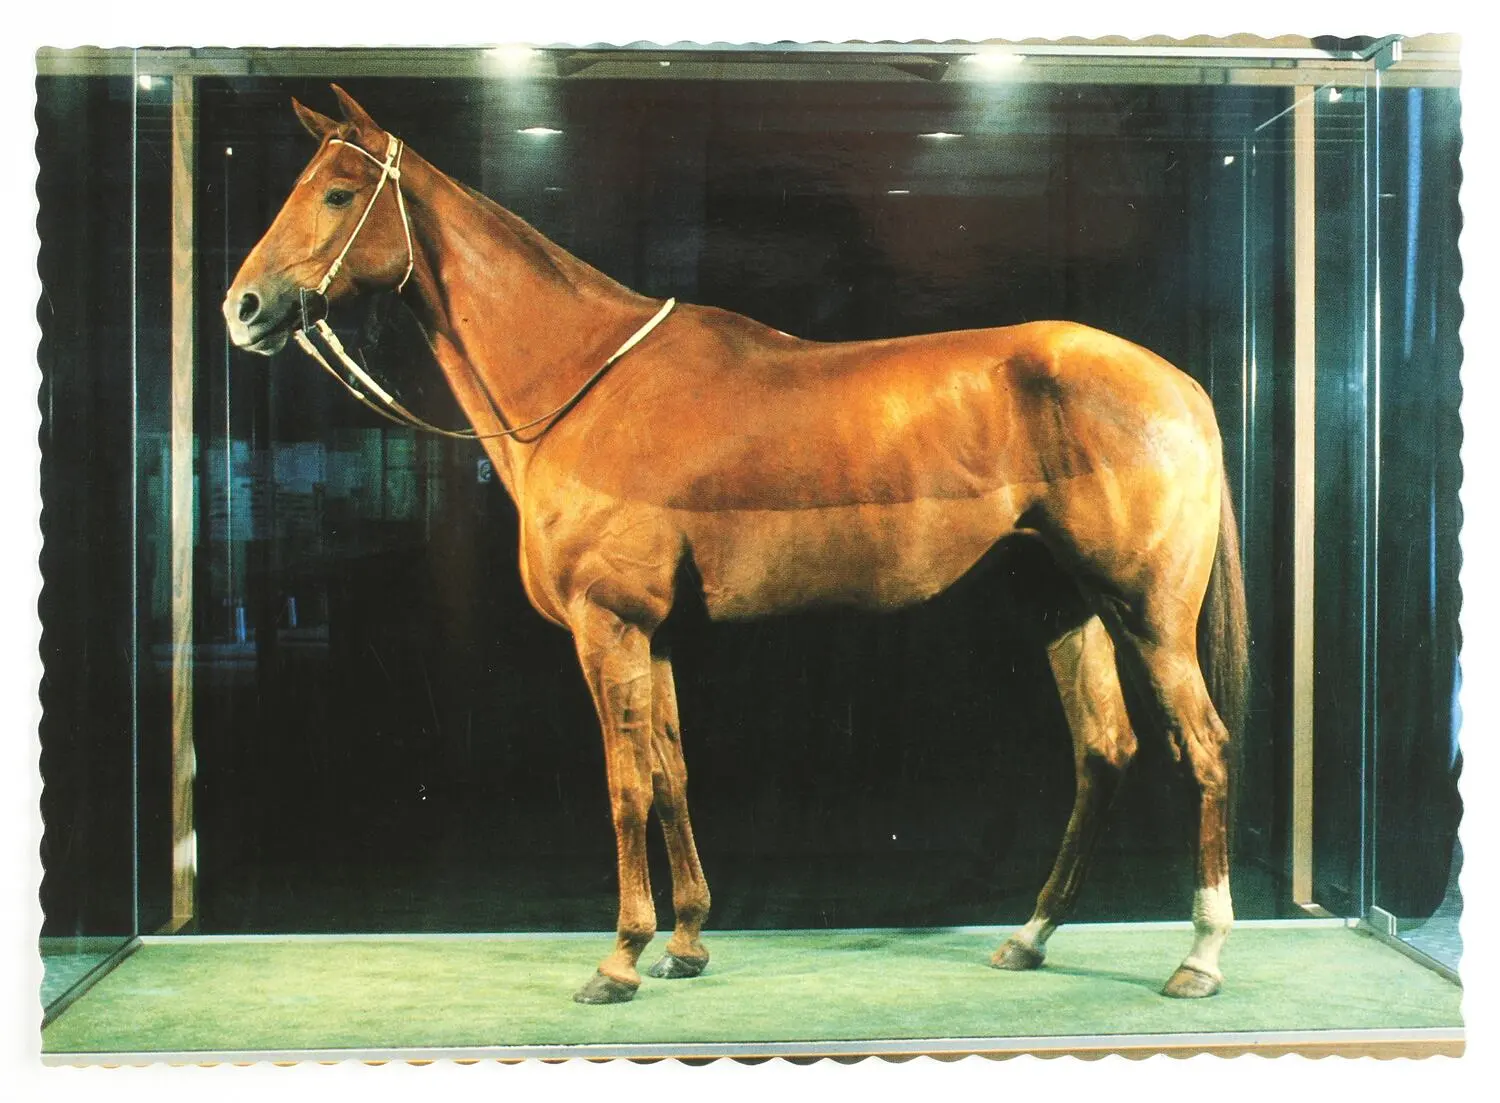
685, 955
1169, 662
1088, 683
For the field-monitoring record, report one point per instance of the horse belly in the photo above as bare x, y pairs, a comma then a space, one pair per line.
868, 555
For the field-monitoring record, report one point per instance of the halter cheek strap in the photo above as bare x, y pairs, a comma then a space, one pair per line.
390, 169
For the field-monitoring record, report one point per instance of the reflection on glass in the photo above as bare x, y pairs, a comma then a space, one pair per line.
1417, 758
85, 142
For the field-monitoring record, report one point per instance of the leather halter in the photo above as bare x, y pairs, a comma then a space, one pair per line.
390, 169
390, 408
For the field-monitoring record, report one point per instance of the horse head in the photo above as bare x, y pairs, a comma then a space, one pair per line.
342, 231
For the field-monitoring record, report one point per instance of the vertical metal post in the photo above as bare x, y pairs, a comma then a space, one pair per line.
1304, 486
135, 498
184, 509
1373, 345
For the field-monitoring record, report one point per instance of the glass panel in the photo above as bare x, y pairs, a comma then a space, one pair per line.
1416, 858
155, 210
84, 187
390, 738
1256, 428
1346, 393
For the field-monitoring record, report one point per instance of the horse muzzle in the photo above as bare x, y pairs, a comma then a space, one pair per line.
253, 324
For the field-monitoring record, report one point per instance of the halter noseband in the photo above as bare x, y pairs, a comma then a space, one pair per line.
390, 169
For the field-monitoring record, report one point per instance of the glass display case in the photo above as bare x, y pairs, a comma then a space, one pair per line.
294, 687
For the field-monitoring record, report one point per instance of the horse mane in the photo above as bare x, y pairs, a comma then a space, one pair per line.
532, 240
548, 256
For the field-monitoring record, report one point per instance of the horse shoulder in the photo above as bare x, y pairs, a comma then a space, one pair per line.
579, 541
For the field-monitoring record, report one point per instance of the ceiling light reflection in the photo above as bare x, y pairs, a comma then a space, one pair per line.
512, 60
995, 58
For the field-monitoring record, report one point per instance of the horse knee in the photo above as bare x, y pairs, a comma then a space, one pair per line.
668, 786
630, 810
1116, 749
627, 699
1107, 751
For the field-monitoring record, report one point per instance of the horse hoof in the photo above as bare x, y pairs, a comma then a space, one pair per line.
672, 967
1191, 984
1017, 956
605, 989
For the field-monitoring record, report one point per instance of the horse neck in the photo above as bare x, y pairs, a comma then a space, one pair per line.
516, 322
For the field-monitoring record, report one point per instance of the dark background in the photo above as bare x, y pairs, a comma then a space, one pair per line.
416, 749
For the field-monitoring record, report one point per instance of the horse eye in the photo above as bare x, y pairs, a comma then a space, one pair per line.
338, 197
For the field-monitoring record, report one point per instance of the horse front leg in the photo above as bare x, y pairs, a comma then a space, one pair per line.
616, 660
685, 955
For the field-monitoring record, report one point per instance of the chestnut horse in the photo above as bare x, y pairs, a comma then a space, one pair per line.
785, 474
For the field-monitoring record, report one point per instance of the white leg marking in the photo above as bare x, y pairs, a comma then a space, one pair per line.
1035, 933
1213, 915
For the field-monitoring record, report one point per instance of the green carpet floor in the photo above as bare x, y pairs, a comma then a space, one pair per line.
393, 993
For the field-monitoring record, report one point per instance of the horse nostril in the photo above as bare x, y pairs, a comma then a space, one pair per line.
249, 305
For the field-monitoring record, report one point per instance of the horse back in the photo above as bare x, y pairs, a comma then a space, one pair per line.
722, 413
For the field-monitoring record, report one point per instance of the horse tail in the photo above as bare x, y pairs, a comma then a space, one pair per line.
1224, 625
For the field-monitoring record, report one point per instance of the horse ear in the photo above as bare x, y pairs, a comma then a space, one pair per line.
319, 126
358, 117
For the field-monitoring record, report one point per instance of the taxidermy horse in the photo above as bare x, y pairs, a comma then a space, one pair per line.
644, 441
